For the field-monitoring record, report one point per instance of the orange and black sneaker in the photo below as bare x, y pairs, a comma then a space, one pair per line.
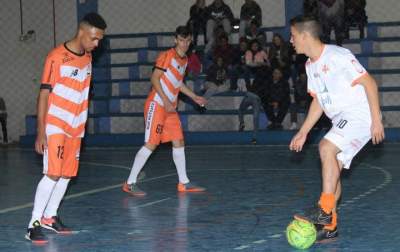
55, 224
315, 215
35, 234
190, 187
133, 190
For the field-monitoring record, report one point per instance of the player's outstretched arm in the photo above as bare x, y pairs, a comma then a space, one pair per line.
371, 89
314, 113
41, 139
155, 81
198, 99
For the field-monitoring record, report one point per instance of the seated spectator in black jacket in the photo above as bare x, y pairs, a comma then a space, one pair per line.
355, 15
216, 80
331, 15
255, 97
198, 20
223, 50
239, 68
219, 14
278, 99
250, 12
279, 55
310, 8
302, 99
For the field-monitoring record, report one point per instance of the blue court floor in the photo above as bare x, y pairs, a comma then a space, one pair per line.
253, 192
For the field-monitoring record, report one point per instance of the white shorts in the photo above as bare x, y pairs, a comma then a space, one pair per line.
349, 134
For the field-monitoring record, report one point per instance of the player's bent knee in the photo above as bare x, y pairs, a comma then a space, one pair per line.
52, 177
327, 149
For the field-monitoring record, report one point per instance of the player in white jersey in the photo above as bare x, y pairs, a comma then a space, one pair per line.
348, 95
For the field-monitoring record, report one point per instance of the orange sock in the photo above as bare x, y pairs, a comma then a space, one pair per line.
327, 202
333, 225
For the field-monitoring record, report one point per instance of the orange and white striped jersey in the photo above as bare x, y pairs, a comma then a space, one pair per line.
171, 80
68, 76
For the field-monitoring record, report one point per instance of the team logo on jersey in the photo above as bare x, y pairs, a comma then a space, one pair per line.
325, 69
316, 75
67, 58
74, 73
359, 68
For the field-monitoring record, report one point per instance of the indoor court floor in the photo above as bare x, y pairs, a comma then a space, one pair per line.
253, 192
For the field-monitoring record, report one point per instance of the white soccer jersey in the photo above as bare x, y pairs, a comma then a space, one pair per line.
333, 79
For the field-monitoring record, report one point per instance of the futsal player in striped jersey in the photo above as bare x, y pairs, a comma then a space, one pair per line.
61, 117
162, 123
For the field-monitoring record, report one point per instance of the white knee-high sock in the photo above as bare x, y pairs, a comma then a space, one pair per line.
42, 196
58, 194
178, 154
140, 159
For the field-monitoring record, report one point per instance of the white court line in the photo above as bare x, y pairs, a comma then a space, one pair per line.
387, 180
152, 203
101, 189
109, 165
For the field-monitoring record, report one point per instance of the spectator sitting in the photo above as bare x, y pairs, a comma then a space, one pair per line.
310, 8
255, 97
193, 70
279, 55
250, 12
198, 19
302, 99
239, 68
331, 14
298, 63
223, 50
355, 16
278, 99
216, 79
3, 119
218, 14
256, 61
254, 33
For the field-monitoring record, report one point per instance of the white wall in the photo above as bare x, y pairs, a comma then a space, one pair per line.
22, 61
383, 11
127, 16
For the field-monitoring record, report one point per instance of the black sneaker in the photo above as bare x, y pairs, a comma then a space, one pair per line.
315, 215
54, 223
35, 234
325, 235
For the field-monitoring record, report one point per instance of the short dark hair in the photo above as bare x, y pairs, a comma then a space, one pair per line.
95, 20
183, 31
309, 24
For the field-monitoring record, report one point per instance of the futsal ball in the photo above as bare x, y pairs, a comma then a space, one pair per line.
301, 234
